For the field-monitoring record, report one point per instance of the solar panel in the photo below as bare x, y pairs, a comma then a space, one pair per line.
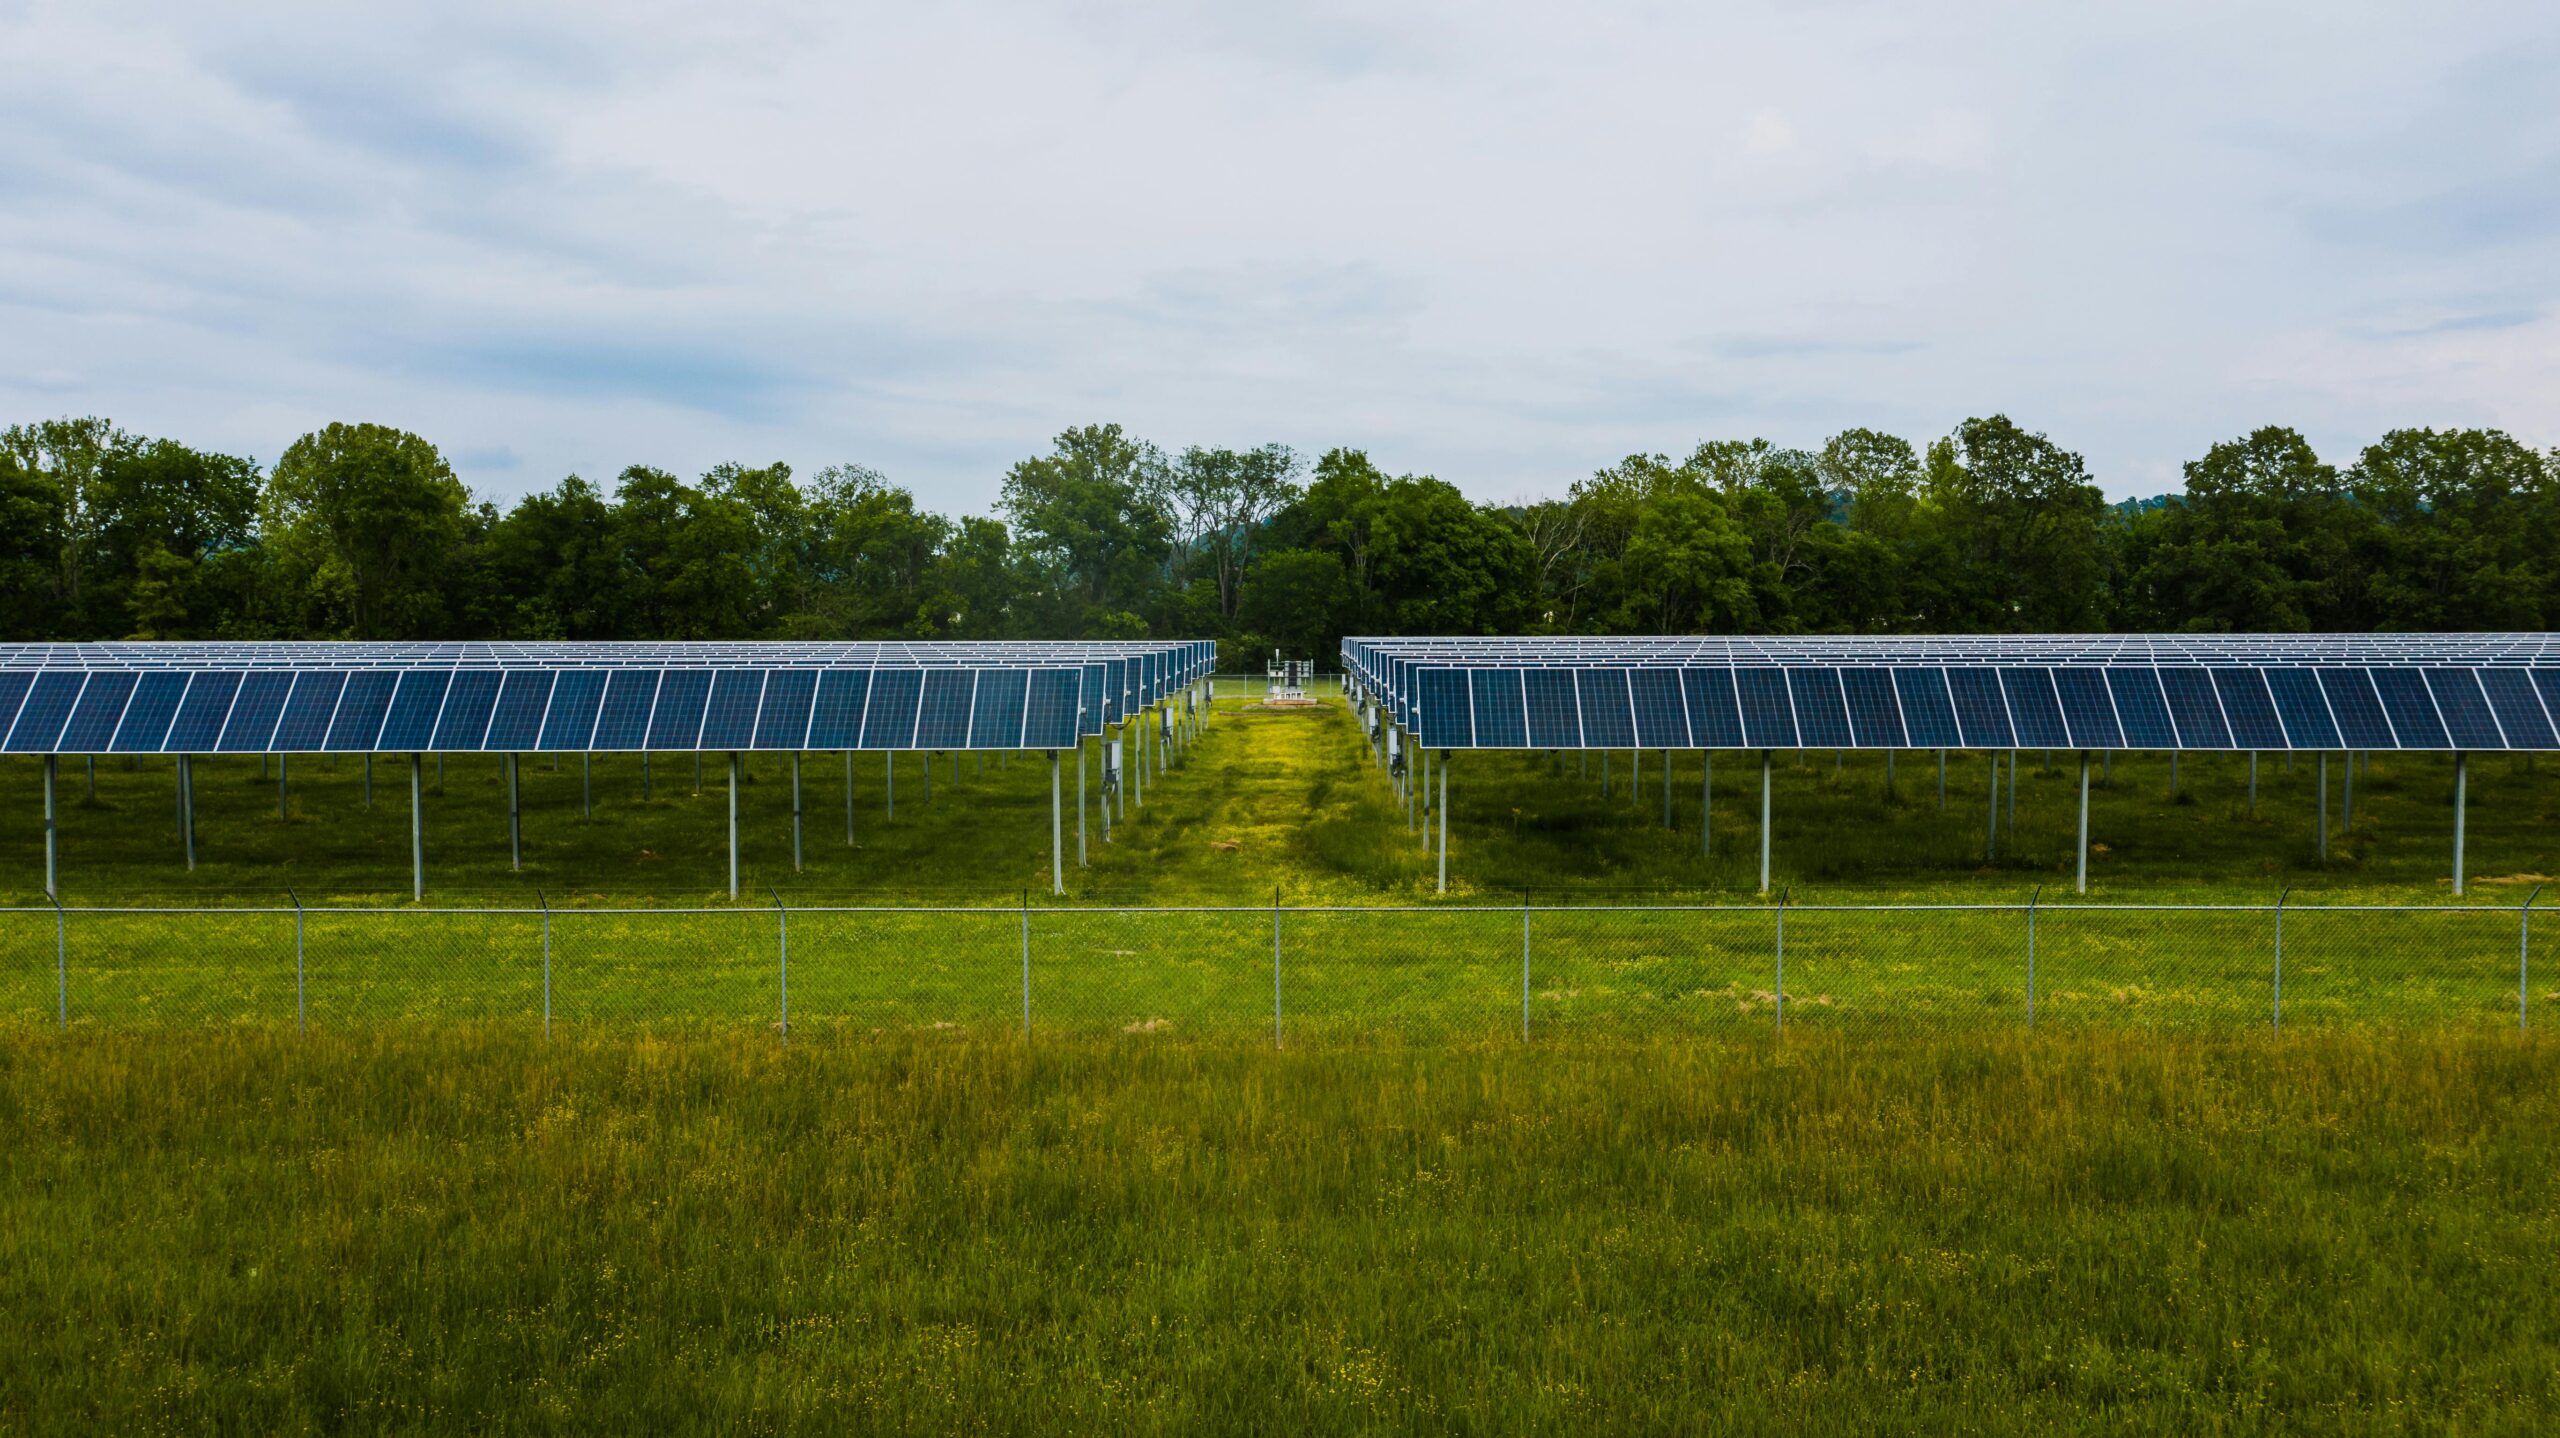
835, 717
1608, 714
468, 703
516, 724
47, 709
577, 697
995, 720
622, 720
207, 705
889, 720
2194, 709
1555, 718
2249, 706
1768, 716
1928, 713
360, 709
1662, 718
1982, 712
783, 721
676, 722
2358, 709
1049, 718
729, 720
1442, 717
414, 707
1715, 712
1496, 705
2035, 708
2303, 709
2519, 710
1875, 718
1822, 720
13, 692
2411, 709
943, 720
1092, 700
2465, 709
155, 708
93, 718
2088, 711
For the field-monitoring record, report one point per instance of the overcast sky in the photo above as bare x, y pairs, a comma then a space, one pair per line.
1500, 243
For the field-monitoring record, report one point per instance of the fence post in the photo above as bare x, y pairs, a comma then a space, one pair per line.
545, 902
1275, 967
61, 964
1782, 963
301, 1014
1026, 964
782, 945
1524, 967
2277, 1019
2032, 900
2524, 952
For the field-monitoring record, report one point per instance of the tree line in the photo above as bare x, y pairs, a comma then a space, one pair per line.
363, 531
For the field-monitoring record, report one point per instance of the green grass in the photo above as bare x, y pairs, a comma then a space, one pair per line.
456, 1229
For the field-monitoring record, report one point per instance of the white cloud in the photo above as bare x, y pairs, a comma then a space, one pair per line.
1503, 244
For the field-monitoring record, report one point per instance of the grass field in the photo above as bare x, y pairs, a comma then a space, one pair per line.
456, 1229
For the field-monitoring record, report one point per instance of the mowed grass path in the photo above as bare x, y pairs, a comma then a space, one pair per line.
449, 1230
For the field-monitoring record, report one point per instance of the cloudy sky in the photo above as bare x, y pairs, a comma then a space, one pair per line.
1501, 243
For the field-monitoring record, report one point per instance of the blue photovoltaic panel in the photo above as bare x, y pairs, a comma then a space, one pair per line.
1500, 721
2034, 708
360, 710
93, 719
2141, 706
2465, 709
2193, 708
2411, 707
1441, 710
575, 702
301, 730
835, 720
2088, 711
1608, 717
468, 703
1768, 720
676, 721
13, 692
1822, 720
1875, 719
48, 705
1049, 718
622, 721
1928, 715
1662, 719
889, 719
943, 720
2519, 712
2302, 709
413, 710
2546, 680
1982, 714
730, 720
2358, 709
1715, 714
995, 716
1115, 695
155, 706
783, 722
1555, 721
516, 724
1096, 706
198, 727
2250, 708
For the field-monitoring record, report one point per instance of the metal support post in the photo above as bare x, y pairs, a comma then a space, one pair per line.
795, 811
52, 886
733, 825
1706, 802
2324, 804
2347, 796
2084, 821
1057, 830
1443, 768
2013, 791
284, 786
1764, 821
586, 784
515, 820
1666, 788
848, 798
368, 781
2253, 783
646, 788
1081, 860
417, 831
187, 805
1991, 816
2461, 804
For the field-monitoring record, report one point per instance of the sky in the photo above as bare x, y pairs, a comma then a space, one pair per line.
1502, 243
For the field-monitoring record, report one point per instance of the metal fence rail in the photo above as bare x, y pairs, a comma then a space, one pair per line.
1287, 972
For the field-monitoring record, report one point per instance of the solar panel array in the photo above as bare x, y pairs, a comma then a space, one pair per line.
454, 698
2227, 692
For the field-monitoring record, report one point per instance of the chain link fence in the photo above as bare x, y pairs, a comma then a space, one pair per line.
1289, 974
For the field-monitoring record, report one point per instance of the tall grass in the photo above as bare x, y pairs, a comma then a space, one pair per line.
467, 1228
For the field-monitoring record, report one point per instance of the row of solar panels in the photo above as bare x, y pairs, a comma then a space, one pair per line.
507, 710
1183, 660
2026, 707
